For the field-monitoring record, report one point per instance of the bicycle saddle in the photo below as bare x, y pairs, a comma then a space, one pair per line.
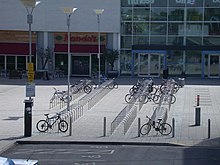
46, 114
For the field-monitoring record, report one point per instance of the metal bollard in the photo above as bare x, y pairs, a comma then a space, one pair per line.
70, 123
104, 127
139, 127
173, 126
197, 116
209, 128
197, 100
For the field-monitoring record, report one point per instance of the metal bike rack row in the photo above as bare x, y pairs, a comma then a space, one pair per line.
159, 113
95, 96
55, 102
120, 117
129, 119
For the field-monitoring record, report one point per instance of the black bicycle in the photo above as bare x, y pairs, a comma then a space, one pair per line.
163, 128
44, 125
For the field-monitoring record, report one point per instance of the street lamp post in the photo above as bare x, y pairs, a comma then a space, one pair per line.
68, 11
98, 12
29, 5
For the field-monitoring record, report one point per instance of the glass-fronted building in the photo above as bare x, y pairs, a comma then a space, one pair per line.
182, 36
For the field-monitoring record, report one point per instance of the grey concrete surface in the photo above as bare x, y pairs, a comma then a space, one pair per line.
89, 127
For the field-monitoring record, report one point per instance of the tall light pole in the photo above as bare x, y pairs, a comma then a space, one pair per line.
30, 5
98, 12
68, 11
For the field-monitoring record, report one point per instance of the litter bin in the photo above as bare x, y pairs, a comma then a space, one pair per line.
181, 81
28, 117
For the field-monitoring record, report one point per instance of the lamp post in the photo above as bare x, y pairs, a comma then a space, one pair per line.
30, 5
98, 12
68, 11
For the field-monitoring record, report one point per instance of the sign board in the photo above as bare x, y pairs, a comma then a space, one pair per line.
30, 76
30, 90
30, 66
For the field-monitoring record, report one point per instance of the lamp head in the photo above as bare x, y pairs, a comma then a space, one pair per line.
98, 11
29, 3
68, 10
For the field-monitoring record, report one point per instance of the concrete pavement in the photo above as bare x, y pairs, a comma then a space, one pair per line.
89, 127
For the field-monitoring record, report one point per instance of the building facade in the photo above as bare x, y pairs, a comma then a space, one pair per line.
49, 35
181, 36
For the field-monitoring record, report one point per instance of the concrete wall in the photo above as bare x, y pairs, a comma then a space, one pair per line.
49, 17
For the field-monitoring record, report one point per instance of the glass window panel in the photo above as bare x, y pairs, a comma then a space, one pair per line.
193, 41
159, 14
212, 14
194, 29
158, 40
126, 28
126, 14
158, 3
176, 3
141, 40
10, 62
61, 62
126, 41
194, 14
140, 28
2, 62
212, 28
21, 62
211, 41
175, 62
141, 14
125, 59
175, 40
176, 14
193, 62
158, 28
175, 29
212, 3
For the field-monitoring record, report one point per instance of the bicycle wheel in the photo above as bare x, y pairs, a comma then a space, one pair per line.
87, 89
155, 98
111, 86
143, 99
173, 99
129, 98
115, 85
165, 129
65, 98
42, 126
145, 129
63, 126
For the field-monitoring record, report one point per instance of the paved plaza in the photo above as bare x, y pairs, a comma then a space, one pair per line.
89, 127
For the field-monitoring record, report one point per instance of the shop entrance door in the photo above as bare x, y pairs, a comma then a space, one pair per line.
80, 65
148, 65
213, 65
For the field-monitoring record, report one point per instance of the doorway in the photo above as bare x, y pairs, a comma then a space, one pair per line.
81, 65
149, 64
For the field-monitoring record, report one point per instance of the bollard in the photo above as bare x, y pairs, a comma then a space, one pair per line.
173, 125
70, 129
28, 117
197, 100
139, 127
209, 128
104, 127
197, 116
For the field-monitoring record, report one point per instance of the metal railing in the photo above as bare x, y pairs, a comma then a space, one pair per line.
128, 120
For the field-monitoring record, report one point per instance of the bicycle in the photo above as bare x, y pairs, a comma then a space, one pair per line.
62, 95
44, 125
163, 128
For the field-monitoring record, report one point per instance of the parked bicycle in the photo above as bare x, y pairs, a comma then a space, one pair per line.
82, 85
163, 128
44, 125
62, 95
